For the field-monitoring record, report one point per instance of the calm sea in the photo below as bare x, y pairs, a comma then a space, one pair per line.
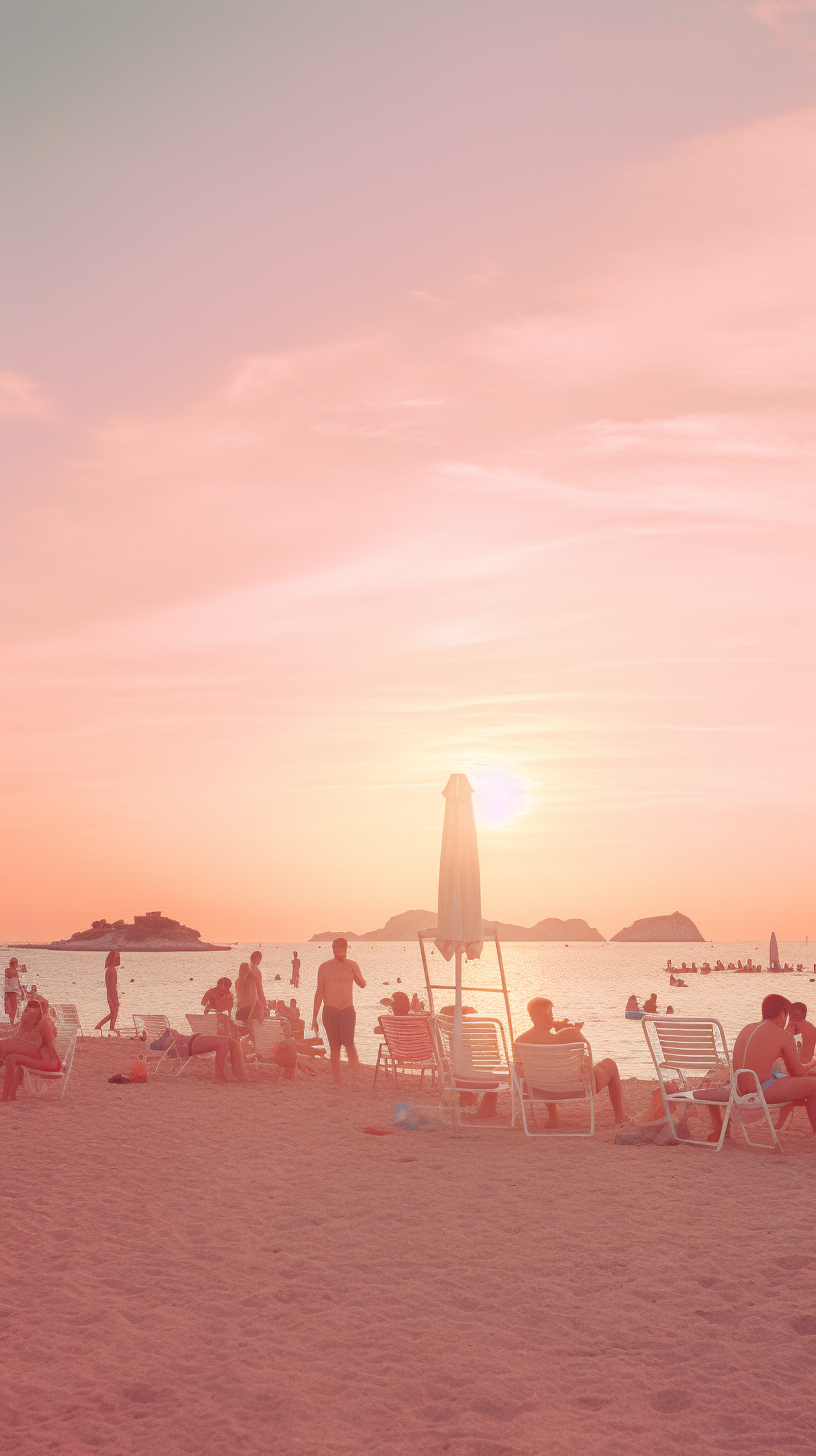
589, 982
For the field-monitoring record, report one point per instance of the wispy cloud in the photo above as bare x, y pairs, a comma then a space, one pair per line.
22, 398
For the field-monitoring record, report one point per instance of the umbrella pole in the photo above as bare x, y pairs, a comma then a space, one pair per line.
457, 1037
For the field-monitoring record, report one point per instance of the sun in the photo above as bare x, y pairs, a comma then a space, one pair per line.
500, 797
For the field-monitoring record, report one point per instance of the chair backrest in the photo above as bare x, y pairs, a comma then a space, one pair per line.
483, 1045
201, 1024
267, 1034
686, 1043
68, 1015
151, 1026
561, 1069
408, 1038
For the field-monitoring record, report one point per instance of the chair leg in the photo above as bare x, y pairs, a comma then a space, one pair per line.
377, 1067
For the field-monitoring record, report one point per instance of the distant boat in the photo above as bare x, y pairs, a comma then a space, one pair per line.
773, 954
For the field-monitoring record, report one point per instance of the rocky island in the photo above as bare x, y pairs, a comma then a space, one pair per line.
406, 926
152, 931
661, 927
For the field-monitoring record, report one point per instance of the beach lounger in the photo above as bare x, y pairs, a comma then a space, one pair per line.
151, 1028
484, 1066
553, 1073
408, 1044
681, 1044
68, 1018
266, 1035
53, 1083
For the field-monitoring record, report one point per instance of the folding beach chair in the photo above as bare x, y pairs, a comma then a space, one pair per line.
484, 1065
408, 1044
681, 1044
266, 1035
553, 1073
52, 1083
68, 1018
151, 1028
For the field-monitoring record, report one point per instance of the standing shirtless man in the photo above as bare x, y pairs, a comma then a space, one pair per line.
295, 981
335, 992
757, 1047
111, 991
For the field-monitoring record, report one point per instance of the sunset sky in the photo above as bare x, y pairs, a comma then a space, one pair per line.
393, 389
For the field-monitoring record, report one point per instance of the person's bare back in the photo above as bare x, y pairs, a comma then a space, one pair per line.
761, 1044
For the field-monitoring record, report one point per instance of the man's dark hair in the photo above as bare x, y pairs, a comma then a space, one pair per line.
773, 1006
799, 1008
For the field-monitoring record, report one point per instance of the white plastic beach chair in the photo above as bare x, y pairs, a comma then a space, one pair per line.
408, 1043
553, 1073
680, 1044
150, 1028
68, 1018
265, 1036
484, 1066
42, 1084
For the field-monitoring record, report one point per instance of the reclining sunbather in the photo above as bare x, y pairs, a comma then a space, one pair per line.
33, 1046
544, 1030
757, 1048
197, 1045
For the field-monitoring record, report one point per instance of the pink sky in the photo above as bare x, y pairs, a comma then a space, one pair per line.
388, 395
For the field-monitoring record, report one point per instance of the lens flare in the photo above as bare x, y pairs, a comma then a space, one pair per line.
500, 797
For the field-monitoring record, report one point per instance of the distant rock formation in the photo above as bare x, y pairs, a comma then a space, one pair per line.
661, 927
404, 927
152, 931
550, 929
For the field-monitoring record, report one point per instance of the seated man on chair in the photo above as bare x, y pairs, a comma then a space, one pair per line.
544, 1030
756, 1048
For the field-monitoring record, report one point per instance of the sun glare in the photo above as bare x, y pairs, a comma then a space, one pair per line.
500, 797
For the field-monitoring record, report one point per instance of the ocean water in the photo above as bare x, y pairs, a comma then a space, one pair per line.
589, 981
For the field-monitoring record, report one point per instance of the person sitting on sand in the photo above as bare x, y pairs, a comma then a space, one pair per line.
34, 1046
416, 1004
544, 1030
650, 1006
758, 1046
219, 997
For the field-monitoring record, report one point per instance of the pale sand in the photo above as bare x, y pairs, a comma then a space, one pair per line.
205, 1269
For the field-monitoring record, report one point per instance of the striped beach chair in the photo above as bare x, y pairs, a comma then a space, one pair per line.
407, 1045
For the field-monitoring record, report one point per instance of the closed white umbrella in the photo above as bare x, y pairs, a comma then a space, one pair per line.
459, 911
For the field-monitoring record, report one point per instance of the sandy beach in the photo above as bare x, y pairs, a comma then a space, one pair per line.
229, 1268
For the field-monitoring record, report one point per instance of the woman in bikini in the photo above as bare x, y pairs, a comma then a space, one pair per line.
34, 1047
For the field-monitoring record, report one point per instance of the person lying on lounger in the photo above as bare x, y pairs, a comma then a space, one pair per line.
544, 1030
33, 1046
758, 1046
197, 1045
